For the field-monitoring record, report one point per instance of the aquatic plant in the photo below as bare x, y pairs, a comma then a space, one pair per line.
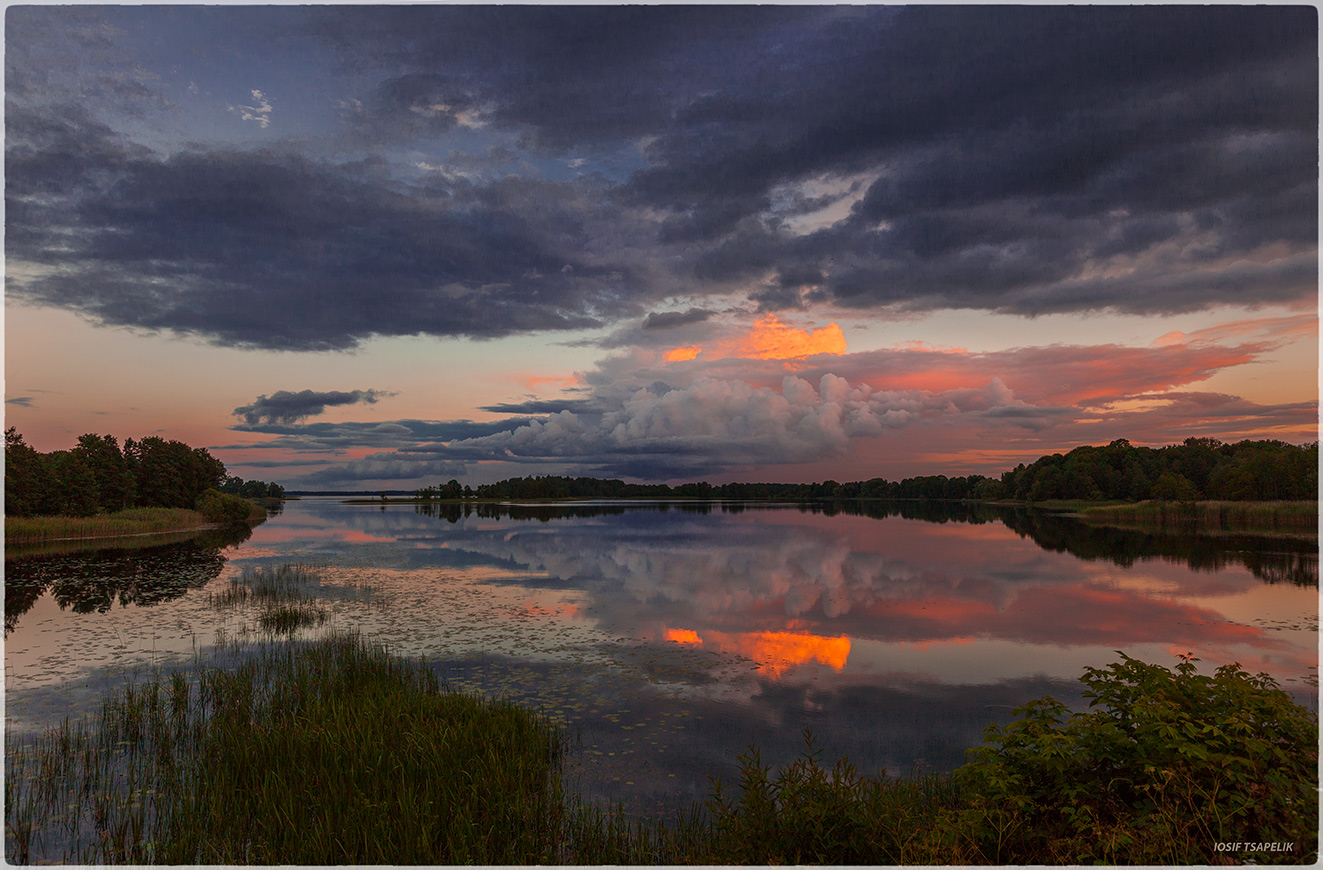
325, 753
287, 618
263, 585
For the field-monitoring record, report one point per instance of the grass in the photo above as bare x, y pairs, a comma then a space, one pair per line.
1279, 517
262, 585
288, 618
134, 521
329, 753
81, 532
282, 594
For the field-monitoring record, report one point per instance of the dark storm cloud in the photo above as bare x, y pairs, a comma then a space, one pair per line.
400, 434
1023, 159
275, 250
545, 406
568, 76
672, 319
286, 407
378, 466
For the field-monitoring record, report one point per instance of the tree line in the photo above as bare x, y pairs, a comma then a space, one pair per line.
1199, 468
100, 476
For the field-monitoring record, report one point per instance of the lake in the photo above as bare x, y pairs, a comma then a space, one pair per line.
669, 637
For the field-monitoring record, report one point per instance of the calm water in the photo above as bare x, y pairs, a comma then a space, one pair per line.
669, 638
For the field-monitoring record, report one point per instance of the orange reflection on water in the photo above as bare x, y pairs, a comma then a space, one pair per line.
357, 537
775, 651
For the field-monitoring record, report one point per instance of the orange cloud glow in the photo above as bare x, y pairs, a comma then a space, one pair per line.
771, 338
680, 354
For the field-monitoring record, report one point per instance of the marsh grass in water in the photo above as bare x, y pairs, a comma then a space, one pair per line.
282, 593
329, 753
262, 585
286, 618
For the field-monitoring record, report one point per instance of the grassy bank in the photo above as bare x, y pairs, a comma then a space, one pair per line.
337, 753
135, 521
1270, 517
22, 531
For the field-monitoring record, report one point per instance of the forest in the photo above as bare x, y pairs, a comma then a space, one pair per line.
99, 476
1199, 468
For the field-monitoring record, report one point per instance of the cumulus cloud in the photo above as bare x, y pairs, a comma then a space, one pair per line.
715, 423
286, 407
644, 417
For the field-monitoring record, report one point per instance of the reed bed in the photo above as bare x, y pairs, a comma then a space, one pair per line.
326, 753
134, 521
288, 618
282, 593
262, 585
1296, 517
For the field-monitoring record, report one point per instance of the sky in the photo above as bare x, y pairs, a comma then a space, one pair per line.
381, 247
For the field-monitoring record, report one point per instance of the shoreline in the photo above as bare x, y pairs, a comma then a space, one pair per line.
71, 534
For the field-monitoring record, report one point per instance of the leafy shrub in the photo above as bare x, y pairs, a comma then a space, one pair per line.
219, 507
1163, 767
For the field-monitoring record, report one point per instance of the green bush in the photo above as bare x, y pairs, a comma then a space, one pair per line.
219, 507
1165, 766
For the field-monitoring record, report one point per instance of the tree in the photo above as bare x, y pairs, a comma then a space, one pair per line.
70, 486
170, 473
1174, 487
24, 471
116, 487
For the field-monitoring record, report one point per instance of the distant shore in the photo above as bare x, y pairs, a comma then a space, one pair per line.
1295, 518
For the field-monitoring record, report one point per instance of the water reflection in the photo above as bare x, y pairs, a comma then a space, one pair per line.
844, 589
90, 582
1271, 559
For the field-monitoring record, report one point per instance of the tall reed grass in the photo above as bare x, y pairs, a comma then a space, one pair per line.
328, 753
134, 521
1299, 517
281, 592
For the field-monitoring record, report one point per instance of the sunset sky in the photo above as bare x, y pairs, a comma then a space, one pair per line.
385, 246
